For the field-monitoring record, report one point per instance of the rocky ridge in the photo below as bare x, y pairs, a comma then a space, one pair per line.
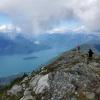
72, 76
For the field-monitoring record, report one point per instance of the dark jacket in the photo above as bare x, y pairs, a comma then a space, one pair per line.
90, 52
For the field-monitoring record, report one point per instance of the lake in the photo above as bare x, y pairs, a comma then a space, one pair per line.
15, 64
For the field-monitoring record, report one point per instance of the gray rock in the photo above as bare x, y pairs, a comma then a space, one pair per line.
15, 89
98, 90
39, 83
25, 80
29, 97
90, 95
24, 86
27, 92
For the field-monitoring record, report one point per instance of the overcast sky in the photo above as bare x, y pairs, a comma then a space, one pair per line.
42, 16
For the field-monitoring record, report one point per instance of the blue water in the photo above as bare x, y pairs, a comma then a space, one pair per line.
15, 64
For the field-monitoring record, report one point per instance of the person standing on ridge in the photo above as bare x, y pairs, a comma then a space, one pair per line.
78, 48
90, 54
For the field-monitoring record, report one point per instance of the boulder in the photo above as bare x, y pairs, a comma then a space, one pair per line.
40, 83
15, 89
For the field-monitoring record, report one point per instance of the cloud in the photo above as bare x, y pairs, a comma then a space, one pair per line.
2, 28
65, 29
39, 16
9, 28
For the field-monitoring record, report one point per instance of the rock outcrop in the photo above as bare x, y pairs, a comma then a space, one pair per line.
70, 77
15, 89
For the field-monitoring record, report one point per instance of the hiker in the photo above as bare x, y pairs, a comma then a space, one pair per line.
90, 54
78, 48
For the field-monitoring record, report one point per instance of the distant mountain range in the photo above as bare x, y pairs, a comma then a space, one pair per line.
70, 40
19, 45
8, 79
22, 45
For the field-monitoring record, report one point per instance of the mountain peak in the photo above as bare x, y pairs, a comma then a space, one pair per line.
72, 76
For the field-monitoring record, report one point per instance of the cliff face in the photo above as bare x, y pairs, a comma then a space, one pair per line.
70, 77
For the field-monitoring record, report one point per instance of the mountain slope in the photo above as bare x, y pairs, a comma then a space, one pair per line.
72, 76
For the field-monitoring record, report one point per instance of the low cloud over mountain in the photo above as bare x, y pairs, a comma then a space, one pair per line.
39, 16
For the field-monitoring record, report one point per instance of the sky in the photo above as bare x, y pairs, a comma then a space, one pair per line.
4, 19
36, 17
